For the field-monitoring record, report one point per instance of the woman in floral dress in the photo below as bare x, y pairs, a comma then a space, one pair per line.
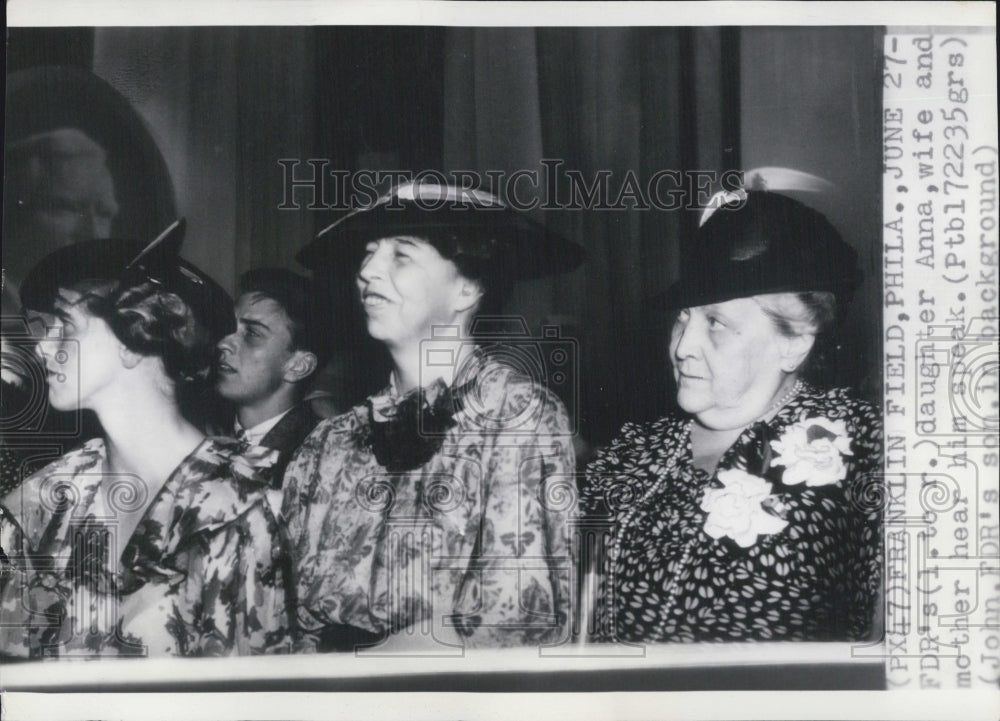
151, 539
755, 515
434, 514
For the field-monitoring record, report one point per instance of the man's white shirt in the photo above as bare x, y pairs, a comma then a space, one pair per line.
255, 434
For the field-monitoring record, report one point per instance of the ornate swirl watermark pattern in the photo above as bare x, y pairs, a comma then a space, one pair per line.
376, 493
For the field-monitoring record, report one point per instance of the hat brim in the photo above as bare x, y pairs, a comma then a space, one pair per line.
94, 260
687, 294
529, 249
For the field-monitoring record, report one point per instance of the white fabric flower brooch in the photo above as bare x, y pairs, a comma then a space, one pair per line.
812, 452
736, 509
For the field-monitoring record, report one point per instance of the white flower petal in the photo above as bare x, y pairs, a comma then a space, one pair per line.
818, 462
735, 509
793, 475
714, 530
843, 444
745, 540
767, 524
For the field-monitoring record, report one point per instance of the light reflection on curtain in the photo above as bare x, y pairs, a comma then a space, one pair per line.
223, 104
162, 73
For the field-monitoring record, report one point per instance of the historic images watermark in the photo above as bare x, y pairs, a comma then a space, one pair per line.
314, 184
551, 360
75, 603
27, 378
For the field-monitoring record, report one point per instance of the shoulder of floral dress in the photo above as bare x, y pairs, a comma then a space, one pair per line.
328, 442
332, 432
225, 458
628, 460
221, 462
68, 467
330, 429
33, 501
502, 391
641, 435
213, 487
81, 459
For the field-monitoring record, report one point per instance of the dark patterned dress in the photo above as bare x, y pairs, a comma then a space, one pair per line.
196, 577
782, 543
475, 538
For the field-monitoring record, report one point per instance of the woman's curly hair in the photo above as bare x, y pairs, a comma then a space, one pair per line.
156, 322
153, 321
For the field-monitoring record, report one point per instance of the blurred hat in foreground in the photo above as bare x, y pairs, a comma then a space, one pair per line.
527, 248
51, 98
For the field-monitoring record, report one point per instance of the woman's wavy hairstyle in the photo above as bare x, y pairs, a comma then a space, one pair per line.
154, 321
807, 313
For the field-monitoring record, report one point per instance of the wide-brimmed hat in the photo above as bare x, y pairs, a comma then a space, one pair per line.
763, 242
527, 248
129, 261
47, 98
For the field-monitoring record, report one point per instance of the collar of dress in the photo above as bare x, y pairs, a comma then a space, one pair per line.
209, 489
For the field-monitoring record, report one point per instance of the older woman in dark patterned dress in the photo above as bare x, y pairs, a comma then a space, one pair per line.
152, 539
432, 513
755, 515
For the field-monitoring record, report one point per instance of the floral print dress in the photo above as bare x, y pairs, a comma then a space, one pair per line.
199, 576
782, 543
475, 537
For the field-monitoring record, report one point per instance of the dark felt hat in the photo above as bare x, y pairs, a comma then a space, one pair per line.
763, 242
130, 261
528, 249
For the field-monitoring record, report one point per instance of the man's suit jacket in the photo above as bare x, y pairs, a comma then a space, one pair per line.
287, 436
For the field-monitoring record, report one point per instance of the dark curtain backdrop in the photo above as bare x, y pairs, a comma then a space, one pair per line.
597, 100
811, 99
225, 104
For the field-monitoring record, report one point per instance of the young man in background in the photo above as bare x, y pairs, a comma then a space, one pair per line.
264, 368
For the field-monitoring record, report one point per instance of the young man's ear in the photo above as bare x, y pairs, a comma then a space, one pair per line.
300, 366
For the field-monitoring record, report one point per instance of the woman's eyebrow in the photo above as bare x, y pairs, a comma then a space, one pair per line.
398, 240
61, 305
716, 309
61, 297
